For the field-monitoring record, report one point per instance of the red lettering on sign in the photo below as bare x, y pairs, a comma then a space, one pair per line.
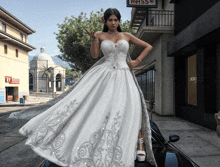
133, 1
11, 80
14, 81
8, 79
140, 1
146, 2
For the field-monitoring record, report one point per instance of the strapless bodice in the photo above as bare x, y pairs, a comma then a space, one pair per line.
115, 54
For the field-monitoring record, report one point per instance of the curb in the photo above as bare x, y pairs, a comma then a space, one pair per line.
20, 105
16, 105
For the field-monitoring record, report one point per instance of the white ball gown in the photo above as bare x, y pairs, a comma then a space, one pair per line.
97, 123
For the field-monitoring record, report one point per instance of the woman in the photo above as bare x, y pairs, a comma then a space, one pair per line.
98, 123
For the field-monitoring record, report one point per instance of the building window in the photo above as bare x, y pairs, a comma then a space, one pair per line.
192, 80
21, 36
16, 52
4, 27
147, 84
25, 40
5, 49
150, 85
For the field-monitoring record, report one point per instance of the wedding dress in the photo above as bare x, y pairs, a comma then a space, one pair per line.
97, 123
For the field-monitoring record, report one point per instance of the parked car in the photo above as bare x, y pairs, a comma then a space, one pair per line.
166, 154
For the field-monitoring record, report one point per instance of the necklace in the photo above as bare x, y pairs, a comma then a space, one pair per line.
114, 33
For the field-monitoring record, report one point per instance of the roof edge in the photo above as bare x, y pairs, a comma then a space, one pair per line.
17, 40
16, 19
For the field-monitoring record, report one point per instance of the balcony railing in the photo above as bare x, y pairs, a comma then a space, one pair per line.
158, 18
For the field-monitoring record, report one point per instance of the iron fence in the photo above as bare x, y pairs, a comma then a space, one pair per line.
159, 18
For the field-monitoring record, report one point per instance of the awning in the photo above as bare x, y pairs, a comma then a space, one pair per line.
202, 31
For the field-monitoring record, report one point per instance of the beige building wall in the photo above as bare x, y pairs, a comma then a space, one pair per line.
10, 29
15, 67
11, 52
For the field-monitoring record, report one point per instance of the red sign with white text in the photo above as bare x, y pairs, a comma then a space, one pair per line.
142, 3
11, 80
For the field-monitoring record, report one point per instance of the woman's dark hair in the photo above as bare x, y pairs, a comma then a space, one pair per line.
107, 14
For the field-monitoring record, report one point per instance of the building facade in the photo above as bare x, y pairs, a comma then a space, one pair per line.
156, 27
196, 52
45, 75
14, 65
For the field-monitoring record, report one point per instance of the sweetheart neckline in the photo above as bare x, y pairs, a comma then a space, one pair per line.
116, 42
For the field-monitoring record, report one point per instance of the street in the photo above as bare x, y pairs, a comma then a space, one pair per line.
200, 144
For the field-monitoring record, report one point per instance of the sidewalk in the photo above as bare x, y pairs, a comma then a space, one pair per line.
7, 108
33, 99
202, 145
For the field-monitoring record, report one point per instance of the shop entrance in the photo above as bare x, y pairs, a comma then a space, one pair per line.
9, 93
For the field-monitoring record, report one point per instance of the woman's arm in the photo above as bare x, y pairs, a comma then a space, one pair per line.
135, 41
95, 46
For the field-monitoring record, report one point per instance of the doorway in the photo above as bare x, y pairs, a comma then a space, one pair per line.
9, 93
58, 82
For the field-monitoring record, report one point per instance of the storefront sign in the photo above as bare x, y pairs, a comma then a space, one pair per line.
142, 3
11, 80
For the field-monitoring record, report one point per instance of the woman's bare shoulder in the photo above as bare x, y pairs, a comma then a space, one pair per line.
99, 34
125, 32
128, 34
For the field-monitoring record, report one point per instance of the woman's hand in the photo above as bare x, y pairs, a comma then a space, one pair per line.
95, 46
91, 34
133, 63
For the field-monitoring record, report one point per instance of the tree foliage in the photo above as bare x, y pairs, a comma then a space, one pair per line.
45, 71
74, 42
70, 73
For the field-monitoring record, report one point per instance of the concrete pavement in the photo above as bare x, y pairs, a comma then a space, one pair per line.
200, 144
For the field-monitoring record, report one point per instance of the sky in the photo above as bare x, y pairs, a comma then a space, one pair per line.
44, 15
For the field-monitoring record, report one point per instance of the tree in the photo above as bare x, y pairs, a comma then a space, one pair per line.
46, 71
71, 73
74, 42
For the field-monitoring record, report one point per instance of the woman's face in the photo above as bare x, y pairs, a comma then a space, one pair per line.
112, 23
